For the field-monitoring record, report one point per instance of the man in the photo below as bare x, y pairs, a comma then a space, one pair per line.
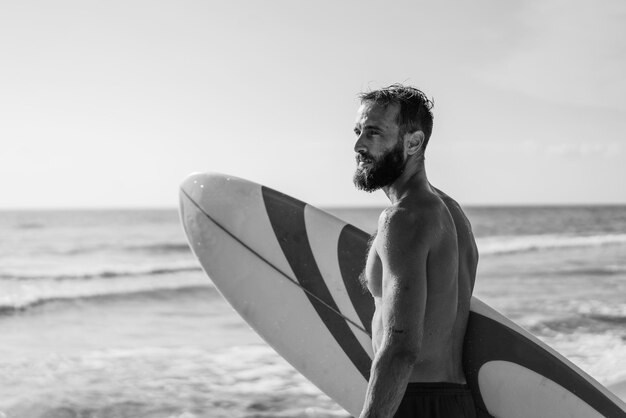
420, 268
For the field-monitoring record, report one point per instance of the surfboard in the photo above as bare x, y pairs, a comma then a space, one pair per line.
291, 271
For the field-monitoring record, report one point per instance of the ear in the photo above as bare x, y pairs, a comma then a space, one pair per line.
414, 142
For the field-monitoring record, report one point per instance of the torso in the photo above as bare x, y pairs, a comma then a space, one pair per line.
450, 275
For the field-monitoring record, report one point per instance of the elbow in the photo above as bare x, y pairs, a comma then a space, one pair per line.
403, 349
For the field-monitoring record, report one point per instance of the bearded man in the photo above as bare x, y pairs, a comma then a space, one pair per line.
420, 268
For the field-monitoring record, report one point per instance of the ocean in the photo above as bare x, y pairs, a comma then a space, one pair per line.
107, 313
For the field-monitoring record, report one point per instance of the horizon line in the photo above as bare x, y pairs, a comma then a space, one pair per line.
326, 207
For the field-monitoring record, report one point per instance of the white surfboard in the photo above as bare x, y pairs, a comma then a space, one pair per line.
291, 271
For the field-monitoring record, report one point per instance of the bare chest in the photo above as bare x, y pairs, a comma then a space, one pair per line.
373, 275
374, 271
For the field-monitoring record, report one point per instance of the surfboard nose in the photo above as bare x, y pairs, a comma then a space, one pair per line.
210, 194
201, 187
231, 202
217, 193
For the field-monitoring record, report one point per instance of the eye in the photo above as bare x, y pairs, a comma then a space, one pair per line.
357, 132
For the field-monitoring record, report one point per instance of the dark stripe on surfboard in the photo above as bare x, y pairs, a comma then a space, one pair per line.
287, 218
351, 252
260, 257
494, 342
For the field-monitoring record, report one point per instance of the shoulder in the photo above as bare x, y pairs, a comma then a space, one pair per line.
412, 224
461, 221
453, 206
447, 200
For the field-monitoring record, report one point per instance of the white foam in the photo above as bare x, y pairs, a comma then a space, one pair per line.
602, 308
235, 382
603, 356
525, 243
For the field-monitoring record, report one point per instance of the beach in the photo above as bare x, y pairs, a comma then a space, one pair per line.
108, 314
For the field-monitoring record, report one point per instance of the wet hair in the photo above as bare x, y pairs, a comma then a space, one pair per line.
415, 108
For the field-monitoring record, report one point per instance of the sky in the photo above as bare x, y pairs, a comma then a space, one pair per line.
111, 104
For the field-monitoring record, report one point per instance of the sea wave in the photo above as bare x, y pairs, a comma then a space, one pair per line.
592, 316
153, 248
529, 243
30, 225
19, 296
104, 274
591, 324
160, 248
613, 313
608, 270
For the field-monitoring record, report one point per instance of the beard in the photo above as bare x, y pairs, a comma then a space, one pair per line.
382, 172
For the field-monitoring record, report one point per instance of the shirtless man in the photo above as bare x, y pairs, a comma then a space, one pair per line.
420, 268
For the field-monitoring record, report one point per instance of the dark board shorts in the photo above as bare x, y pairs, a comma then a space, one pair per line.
437, 400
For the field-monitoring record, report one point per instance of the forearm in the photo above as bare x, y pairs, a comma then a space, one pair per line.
389, 377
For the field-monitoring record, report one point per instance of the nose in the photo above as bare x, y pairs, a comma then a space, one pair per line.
359, 146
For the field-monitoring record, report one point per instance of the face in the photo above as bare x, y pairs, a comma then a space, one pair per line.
380, 150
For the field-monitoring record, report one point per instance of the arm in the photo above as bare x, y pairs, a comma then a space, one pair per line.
402, 245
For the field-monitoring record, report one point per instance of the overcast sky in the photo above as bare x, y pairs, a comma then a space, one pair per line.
113, 103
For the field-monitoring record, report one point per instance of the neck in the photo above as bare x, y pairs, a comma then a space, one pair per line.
412, 178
